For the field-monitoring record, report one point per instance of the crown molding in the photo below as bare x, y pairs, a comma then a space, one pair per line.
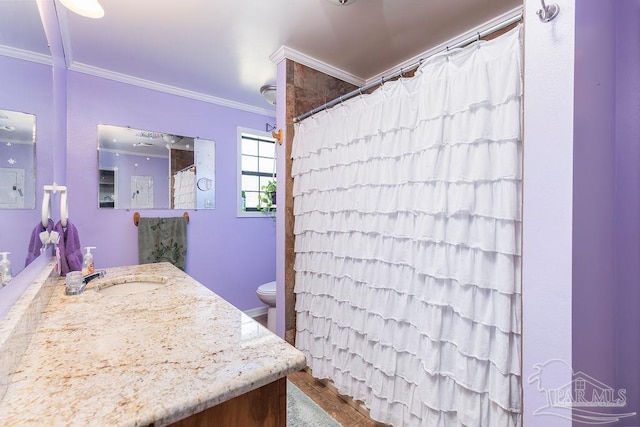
299, 57
135, 81
25, 55
479, 29
172, 90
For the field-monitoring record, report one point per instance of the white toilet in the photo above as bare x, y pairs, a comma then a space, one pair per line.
267, 294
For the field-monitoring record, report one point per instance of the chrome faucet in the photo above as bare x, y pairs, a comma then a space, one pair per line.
89, 277
85, 281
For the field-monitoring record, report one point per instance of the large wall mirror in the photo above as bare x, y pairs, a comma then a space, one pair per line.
27, 114
17, 160
143, 169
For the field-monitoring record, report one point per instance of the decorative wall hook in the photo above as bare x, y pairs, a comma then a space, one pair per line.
277, 136
46, 203
548, 12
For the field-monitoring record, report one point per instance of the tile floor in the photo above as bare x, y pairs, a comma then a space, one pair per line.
327, 399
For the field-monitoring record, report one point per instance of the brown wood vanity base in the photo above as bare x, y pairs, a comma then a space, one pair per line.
265, 406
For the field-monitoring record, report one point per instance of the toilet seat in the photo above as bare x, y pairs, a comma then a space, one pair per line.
267, 288
267, 293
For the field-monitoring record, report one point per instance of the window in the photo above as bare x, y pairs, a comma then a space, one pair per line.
256, 167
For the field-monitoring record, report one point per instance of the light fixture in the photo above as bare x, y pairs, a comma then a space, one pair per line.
269, 93
342, 2
86, 8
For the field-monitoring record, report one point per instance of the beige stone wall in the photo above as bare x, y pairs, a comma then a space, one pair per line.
180, 159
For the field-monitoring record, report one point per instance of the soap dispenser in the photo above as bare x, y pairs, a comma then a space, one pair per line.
5, 268
87, 261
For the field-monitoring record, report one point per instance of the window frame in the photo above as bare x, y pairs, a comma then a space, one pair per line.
261, 134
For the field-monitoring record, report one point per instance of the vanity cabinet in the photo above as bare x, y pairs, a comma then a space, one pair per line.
265, 406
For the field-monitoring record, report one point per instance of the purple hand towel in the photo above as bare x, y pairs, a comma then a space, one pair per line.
69, 247
35, 244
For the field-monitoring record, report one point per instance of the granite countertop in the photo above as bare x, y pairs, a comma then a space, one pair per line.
153, 357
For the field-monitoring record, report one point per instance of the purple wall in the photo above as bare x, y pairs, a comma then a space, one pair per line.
606, 243
627, 202
156, 167
28, 89
229, 255
593, 191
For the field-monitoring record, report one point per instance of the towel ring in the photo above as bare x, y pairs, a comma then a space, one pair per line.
204, 184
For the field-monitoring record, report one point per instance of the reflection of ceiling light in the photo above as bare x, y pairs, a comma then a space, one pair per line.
269, 93
147, 134
86, 8
142, 144
172, 139
7, 128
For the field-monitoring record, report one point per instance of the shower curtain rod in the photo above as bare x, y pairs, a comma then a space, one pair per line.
413, 66
187, 168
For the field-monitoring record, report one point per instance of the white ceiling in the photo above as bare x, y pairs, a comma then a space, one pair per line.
219, 51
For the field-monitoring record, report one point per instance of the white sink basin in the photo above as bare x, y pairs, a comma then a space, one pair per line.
127, 285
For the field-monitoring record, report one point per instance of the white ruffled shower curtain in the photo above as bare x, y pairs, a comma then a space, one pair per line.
184, 189
407, 207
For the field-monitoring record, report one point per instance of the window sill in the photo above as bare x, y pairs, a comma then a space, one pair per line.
245, 214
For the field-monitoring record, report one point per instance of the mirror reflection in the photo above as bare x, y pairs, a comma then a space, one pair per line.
17, 160
142, 169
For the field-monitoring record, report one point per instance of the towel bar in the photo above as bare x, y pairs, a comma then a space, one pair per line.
136, 217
